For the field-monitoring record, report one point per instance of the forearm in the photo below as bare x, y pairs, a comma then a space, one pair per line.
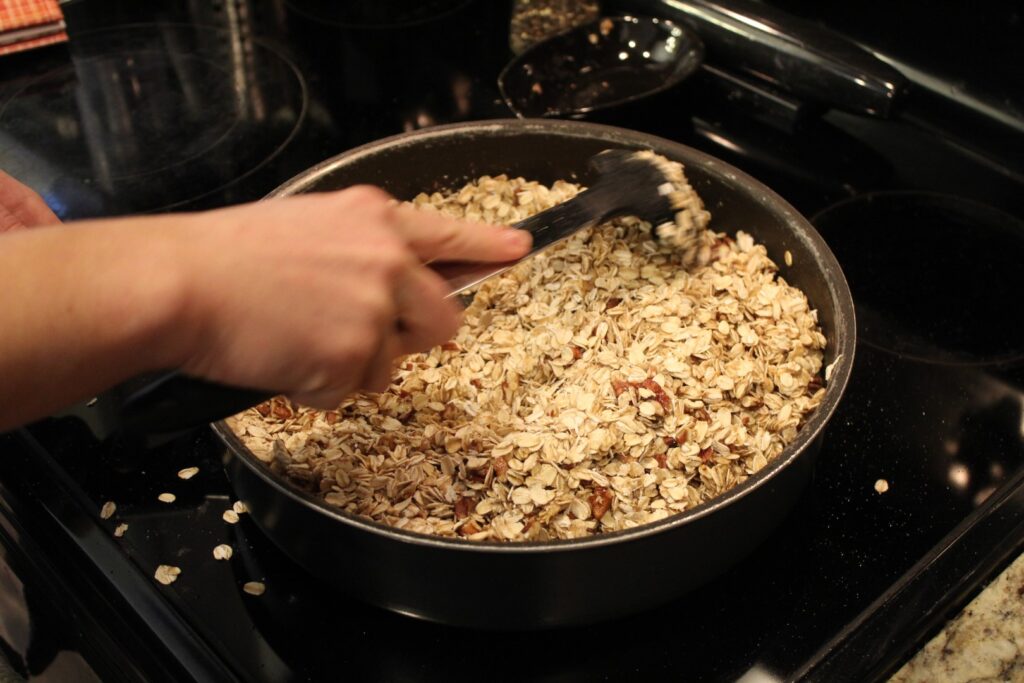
296, 295
84, 306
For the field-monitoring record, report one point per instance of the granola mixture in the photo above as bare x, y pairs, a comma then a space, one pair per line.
610, 381
535, 20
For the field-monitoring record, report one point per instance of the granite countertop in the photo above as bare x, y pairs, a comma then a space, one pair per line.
985, 642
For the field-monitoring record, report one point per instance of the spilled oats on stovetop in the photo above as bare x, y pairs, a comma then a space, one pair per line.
610, 381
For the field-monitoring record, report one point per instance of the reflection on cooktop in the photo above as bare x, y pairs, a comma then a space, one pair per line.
148, 117
935, 277
990, 446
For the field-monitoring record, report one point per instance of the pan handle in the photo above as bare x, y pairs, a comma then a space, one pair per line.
174, 402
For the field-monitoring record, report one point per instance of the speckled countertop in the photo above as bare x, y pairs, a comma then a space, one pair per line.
984, 643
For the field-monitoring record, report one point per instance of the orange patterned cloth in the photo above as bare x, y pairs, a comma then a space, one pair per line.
25, 24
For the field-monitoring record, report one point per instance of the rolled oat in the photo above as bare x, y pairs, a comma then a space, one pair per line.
166, 574
188, 472
254, 588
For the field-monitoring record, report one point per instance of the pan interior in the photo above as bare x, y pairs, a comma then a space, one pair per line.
447, 157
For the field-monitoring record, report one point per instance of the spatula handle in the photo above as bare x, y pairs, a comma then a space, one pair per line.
175, 402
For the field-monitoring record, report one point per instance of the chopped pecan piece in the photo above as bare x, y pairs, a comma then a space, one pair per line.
670, 441
702, 414
263, 409
451, 346
612, 303
659, 393
620, 386
280, 409
707, 454
468, 529
500, 466
463, 506
600, 500
662, 459
577, 352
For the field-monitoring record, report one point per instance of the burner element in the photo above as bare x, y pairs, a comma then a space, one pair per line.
934, 277
151, 117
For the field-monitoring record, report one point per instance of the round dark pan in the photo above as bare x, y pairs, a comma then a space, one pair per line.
544, 584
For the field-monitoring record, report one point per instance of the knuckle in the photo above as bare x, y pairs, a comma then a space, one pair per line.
391, 260
441, 328
367, 195
448, 326
450, 237
356, 352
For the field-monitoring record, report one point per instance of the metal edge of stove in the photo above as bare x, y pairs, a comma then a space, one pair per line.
886, 634
167, 648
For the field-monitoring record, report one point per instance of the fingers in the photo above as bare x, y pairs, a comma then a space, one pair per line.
424, 320
402, 306
21, 206
377, 375
325, 399
434, 237
427, 317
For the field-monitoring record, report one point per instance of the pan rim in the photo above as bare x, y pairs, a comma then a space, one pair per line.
835, 281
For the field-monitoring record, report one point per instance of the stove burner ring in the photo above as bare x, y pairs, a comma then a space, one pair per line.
198, 140
151, 117
935, 277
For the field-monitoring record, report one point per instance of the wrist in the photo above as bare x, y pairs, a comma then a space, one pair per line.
153, 308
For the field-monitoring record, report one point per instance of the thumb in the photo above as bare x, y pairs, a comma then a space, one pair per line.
435, 237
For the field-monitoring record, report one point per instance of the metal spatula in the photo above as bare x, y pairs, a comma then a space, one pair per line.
626, 184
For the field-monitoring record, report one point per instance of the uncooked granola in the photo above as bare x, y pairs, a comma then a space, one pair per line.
610, 381
167, 574
108, 509
223, 552
230, 516
188, 472
254, 587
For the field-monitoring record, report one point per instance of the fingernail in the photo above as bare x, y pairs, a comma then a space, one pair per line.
520, 239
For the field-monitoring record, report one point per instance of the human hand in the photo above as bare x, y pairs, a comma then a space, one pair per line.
21, 207
304, 295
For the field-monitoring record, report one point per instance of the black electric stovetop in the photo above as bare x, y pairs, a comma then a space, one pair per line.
162, 108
